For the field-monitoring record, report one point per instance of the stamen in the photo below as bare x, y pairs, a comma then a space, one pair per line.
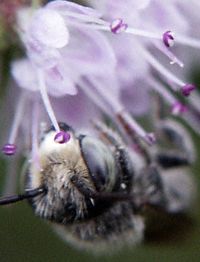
192, 116
168, 38
100, 24
174, 59
165, 72
143, 33
187, 89
10, 184
151, 138
46, 100
116, 106
91, 94
126, 119
35, 121
10, 147
83, 18
188, 41
62, 137
162, 91
178, 108
118, 26
107, 95
194, 101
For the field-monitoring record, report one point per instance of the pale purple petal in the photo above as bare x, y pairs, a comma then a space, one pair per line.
125, 9
136, 97
130, 63
64, 6
24, 74
141, 4
78, 110
42, 56
95, 56
59, 83
164, 17
48, 28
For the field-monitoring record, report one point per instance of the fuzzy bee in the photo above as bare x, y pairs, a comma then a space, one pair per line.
95, 190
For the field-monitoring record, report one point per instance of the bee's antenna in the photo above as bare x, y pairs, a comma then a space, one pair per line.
28, 194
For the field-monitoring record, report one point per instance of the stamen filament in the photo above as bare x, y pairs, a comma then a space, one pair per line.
177, 107
174, 59
10, 184
120, 111
149, 138
35, 121
100, 24
194, 101
91, 94
111, 99
188, 41
143, 33
162, 91
160, 68
133, 31
84, 18
17, 118
121, 114
46, 101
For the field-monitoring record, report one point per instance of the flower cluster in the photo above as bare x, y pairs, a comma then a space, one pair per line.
107, 59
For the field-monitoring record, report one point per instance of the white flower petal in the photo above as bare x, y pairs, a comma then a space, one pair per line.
43, 57
24, 74
66, 6
95, 56
49, 29
59, 83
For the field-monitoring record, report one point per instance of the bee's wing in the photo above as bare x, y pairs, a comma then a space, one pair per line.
179, 189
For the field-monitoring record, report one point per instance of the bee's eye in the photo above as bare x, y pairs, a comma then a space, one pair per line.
100, 162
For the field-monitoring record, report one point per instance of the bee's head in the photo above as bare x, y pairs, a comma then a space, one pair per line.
87, 158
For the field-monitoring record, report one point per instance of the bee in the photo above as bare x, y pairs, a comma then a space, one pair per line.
94, 190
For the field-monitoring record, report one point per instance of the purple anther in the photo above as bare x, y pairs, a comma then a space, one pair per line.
168, 39
187, 89
150, 138
178, 108
118, 26
62, 137
9, 149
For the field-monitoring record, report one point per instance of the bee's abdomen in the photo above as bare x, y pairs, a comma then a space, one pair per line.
114, 227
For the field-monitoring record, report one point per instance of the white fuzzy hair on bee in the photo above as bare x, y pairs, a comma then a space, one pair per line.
95, 190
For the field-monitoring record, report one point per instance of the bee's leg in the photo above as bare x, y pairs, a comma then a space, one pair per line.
82, 185
148, 188
179, 188
125, 168
105, 197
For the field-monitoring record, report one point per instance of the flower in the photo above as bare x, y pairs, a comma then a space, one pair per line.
166, 29
118, 80
55, 62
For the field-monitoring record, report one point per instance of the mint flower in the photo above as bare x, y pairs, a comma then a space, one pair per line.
165, 31
112, 55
